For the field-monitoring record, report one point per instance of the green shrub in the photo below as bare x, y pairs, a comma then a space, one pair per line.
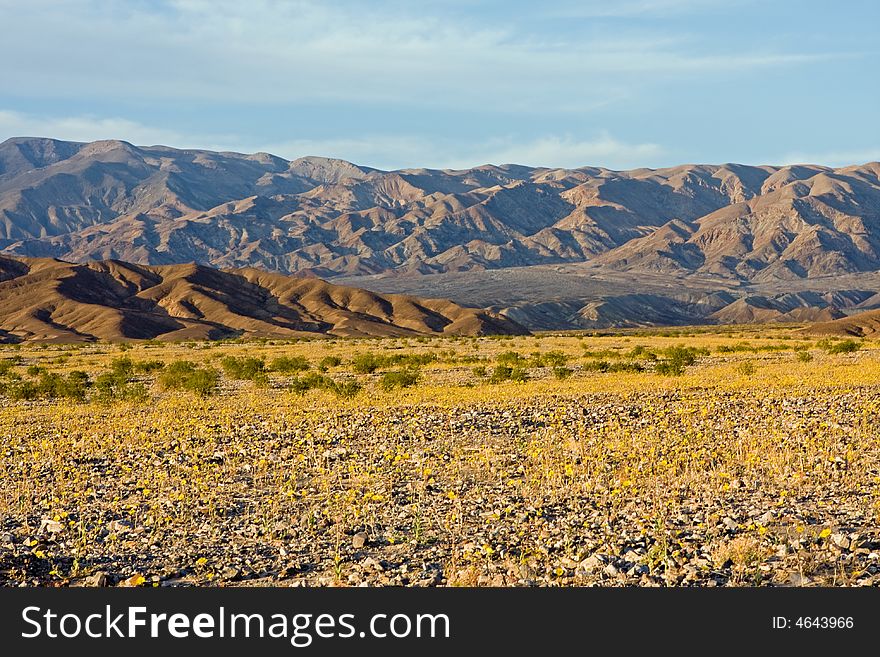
123, 366
503, 373
804, 356
148, 366
289, 364
314, 381
510, 358
6, 366
245, 368
50, 385
398, 379
747, 368
554, 359
561, 372
185, 375
22, 390
409, 360
116, 386
669, 367
676, 358
34, 370
366, 363
480, 371
842, 347
605, 366
640, 351
329, 361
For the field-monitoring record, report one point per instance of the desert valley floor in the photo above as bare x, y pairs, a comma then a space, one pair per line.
707, 457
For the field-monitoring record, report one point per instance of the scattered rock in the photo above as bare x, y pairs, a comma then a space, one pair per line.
50, 526
359, 540
99, 579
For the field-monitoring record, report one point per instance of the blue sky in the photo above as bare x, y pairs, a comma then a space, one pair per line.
454, 84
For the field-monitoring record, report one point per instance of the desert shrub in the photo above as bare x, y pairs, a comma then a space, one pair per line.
603, 353
398, 379
50, 385
117, 386
409, 360
346, 388
747, 368
561, 372
34, 370
185, 375
554, 358
503, 373
669, 367
366, 363
245, 368
369, 362
804, 356
6, 366
289, 364
641, 352
510, 358
733, 348
303, 384
676, 358
22, 390
329, 361
123, 365
480, 371
148, 366
605, 366
316, 381
842, 347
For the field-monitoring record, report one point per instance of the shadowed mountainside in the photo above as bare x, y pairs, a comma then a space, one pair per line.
56, 301
751, 232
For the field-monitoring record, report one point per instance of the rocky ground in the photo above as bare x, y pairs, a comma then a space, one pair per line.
674, 488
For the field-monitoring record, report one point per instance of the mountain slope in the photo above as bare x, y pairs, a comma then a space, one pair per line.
865, 324
52, 300
752, 232
158, 205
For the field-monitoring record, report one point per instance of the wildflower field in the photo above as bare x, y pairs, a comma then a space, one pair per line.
735, 456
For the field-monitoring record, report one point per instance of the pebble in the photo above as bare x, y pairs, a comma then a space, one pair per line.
359, 540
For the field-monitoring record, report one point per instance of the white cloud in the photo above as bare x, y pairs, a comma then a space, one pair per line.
92, 128
403, 151
265, 51
569, 152
630, 8
836, 158
384, 151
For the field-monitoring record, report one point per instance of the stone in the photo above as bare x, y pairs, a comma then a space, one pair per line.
99, 579
359, 540
591, 564
50, 526
840, 540
230, 574
796, 579
119, 526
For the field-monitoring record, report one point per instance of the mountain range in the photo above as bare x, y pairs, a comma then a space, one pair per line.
49, 300
548, 248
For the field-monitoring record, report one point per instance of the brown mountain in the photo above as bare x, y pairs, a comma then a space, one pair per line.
864, 324
57, 301
751, 233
